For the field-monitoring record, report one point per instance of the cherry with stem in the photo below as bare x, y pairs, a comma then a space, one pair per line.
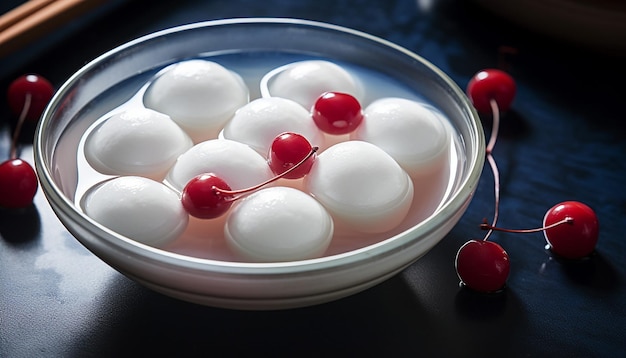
484, 265
207, 196
570, 228
28, 95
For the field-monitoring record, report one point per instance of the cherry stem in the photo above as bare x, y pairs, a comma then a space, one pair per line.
18, 126
258, 186
492, 163
566, 220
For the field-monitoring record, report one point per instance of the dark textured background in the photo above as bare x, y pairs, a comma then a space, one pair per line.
563, 140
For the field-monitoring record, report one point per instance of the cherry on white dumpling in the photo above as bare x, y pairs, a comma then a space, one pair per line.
361, 186
278, 224
199, 95
138, 208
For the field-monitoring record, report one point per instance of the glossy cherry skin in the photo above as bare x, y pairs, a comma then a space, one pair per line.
287, 150
491, 84
18, 184
482, 265
576, 239
201, 199
337, 113
41, 92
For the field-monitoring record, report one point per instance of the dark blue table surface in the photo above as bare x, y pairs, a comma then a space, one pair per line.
563, 140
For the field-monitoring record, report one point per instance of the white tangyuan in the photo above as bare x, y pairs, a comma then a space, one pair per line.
361, 186
412, 133
201, 96
138, 208
305, 81
236, 163
278, 224
137, 141
260, 121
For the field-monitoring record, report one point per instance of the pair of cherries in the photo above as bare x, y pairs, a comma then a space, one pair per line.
27, 96
290, 156
207, 196
570, 228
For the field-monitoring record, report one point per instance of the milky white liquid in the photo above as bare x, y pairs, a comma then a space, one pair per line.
205, 238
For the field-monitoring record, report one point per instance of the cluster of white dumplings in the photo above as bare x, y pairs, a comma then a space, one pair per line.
196, 117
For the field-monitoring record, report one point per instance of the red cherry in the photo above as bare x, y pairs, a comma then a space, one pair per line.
40, 90
287, 150
202, 199
337, 113
482, 265
575, 239
491, 84
18, 184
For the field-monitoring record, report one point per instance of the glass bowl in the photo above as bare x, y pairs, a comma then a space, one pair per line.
252, 285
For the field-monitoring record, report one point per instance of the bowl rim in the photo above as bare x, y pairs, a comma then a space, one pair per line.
63, 205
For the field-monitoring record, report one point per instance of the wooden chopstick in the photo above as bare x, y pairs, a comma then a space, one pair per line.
21, 12
36, 18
